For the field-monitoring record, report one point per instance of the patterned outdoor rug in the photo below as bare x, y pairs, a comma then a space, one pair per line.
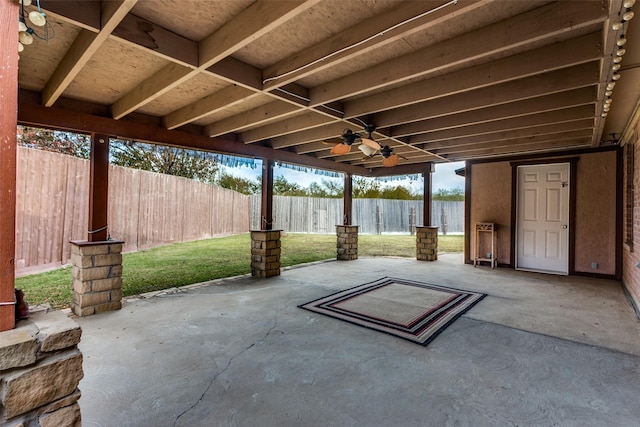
411, 310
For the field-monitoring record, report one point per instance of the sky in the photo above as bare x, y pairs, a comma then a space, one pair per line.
443, 178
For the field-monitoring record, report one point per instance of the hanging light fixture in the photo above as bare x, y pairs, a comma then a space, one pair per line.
37, 18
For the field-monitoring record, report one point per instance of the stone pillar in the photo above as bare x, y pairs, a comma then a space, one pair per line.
426, 243
265, 253
347, 245
97, 276
40, 368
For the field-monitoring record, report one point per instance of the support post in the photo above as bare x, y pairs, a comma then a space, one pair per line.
266, 208
8, 127
348, 199
98, 188
427, 199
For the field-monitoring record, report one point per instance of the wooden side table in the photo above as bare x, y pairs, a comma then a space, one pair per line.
485, 230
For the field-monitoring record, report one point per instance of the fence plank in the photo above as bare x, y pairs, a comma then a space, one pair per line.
145, 209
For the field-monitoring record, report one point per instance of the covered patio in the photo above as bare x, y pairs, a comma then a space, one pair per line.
522, 91
538, 350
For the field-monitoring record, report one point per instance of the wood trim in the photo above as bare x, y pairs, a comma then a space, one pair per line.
98, 188
266, 206
538, 158
467, 211
8, 142
348, 199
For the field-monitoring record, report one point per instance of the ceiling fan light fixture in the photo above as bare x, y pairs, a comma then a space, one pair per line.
37, 18
367, 150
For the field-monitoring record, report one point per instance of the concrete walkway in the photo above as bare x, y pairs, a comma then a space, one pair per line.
539, 350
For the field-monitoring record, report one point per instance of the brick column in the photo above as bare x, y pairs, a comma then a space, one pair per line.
40, 369
347, 245
426, 243
97, 276
265, 253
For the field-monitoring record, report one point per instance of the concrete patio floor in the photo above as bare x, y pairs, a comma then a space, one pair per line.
539, 350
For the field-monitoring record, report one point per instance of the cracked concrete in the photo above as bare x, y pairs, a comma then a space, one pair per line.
538, 350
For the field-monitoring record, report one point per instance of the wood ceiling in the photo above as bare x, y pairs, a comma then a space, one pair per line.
442, 81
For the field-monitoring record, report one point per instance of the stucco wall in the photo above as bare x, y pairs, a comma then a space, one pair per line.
490, 200
595, 227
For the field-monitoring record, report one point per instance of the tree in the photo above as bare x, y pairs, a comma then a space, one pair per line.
364, 188
282, 187
73, 144
398, 193
451, 195
198, 165
239, 184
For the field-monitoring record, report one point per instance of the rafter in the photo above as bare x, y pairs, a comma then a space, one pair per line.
472, 46
541, 60
406, 19
83, 48
258, 19
304, 121
253, 118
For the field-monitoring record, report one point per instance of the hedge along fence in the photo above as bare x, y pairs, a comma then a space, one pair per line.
145, 209
373, 216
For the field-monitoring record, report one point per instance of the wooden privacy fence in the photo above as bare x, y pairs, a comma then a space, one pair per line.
373, 216
145, 209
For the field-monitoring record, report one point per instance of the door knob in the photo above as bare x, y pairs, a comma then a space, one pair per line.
564, 227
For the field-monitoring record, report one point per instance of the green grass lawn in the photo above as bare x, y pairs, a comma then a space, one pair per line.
182, 264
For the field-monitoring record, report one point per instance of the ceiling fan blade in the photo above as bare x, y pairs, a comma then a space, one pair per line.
390, 161
368, 151
340, 149
370, 143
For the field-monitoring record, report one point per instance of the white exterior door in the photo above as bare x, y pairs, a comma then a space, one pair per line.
542, 239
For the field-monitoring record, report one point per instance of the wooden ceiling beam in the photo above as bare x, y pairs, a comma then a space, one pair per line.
307, 120
32, 114
83, 48
302, 138
166, 44
516, 141
258, 19
583, 97
387, 27
522, 149
556, 81
252, 23
508, 135
541, 60
216, 101
544, 23
533, 123
83, 13
258, 116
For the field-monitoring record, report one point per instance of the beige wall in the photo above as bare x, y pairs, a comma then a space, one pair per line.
595, 223
490, 201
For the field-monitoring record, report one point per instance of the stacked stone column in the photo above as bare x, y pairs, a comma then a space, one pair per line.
265, 253
347, 244
40, 369
97, 276
426, 243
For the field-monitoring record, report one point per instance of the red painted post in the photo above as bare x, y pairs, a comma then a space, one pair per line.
98, 188
266, 211
348, 199
427, 199
8, 141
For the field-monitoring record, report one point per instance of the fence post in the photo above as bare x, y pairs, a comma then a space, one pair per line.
412, 221
443, 219
379, 219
